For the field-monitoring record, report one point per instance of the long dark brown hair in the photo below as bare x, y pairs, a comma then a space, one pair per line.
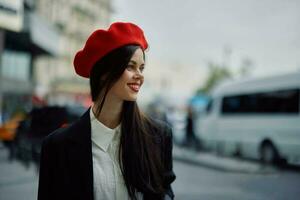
139, 155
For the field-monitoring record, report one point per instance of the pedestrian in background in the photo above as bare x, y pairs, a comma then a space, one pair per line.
191, 139
113, 151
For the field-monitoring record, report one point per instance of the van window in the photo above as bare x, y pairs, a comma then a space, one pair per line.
209, 106
281, 101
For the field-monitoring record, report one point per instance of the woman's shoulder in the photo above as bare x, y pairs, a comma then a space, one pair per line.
72, 131
59, 136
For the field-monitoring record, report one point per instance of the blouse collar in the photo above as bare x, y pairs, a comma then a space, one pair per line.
102, 135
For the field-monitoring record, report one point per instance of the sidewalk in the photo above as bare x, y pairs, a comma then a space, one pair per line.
17, 182
221, 163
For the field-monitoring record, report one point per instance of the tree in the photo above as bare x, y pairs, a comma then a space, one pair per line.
221, 72
217, 74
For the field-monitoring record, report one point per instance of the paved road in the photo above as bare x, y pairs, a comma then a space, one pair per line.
193, 183
17, 181
197, 183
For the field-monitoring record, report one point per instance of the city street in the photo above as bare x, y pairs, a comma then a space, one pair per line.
210, 86
197, 183
17, 182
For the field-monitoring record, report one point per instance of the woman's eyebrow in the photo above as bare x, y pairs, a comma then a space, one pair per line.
134, 62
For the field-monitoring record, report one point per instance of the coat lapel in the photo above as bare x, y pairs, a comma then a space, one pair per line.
79, 155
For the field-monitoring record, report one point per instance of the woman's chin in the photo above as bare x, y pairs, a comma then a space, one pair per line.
131, 98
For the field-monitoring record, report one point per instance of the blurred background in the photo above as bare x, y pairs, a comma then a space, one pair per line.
224, 74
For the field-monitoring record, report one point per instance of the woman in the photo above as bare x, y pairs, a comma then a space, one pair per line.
113, 151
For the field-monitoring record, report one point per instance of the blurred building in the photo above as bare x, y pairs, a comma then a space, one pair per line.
38, 40
75, 19
24, 37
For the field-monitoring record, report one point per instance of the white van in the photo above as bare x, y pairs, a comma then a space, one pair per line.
256, 118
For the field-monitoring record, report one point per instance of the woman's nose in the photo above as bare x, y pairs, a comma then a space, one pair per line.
138, 74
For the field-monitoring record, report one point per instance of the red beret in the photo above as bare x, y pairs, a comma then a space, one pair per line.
101, 42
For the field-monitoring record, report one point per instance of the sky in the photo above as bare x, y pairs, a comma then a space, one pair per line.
184, 36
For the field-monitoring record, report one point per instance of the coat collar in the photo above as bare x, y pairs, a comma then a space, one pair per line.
76, 135
79, 155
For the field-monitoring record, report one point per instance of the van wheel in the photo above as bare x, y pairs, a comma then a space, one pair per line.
269, 154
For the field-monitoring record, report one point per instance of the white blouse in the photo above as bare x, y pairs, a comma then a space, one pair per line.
108, 180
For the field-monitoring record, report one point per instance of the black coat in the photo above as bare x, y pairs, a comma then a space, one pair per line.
66, 167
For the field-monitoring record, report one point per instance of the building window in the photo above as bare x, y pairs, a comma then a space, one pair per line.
16, 65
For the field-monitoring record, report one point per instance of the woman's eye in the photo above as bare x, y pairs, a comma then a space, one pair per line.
130, 67
133, 68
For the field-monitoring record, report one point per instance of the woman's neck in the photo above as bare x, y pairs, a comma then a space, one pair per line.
110, 114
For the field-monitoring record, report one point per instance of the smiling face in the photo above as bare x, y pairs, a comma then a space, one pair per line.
130, 82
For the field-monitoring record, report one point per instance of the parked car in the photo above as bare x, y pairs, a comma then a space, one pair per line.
40, 123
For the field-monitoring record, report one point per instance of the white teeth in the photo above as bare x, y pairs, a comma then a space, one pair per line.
134, 86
